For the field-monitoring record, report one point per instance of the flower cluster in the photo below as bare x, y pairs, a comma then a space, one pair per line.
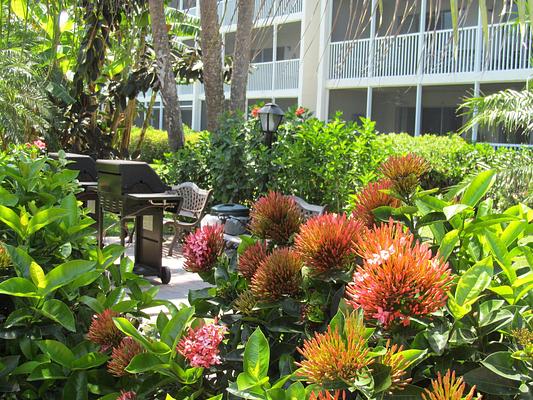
404, 172
122, 356
326, 395
103, 330
5, 260
203, 247
279, 275
398, 365
448, 388
327, 242
38, 144
130, 395
335, 356
372, 197
255, 112
245, 303
299, 111
200, 346
276, 217
251, 258
399, 278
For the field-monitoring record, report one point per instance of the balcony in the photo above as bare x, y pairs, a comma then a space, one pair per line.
264, 10
274, 75
398, 56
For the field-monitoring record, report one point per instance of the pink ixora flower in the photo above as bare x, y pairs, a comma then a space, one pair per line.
37, 143
203, 247
200, 346
299, 111
129, 395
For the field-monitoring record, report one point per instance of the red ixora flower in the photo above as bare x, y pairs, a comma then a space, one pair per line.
404, 172
276, 217
372, 197
103, 330
255, 111
448, 388
279, 275
130, 395
327, 242
251, 258
122, 356
399, 278
299, 111
203, 247
326, 395
200, 346
335, 356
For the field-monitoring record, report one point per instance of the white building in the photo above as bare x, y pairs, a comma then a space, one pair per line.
399, 67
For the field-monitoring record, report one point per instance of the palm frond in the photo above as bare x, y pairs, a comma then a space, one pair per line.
509, 109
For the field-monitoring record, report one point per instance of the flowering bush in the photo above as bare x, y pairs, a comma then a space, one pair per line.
203, 247
371, 197
399, 278
327, 243
275, 217
200, 346
279, 275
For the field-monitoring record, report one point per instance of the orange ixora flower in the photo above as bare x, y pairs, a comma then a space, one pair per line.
276, 217
327, 242
103, 330
255, 111
398, 365
399, 279
335, 356
372, 197
404, 172
326, 395
122, 356
279, 275
251, 258
448, 388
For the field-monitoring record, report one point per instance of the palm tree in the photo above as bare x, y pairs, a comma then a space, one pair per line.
509, 109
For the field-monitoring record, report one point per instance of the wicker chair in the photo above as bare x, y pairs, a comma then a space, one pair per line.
308, 210
191, 212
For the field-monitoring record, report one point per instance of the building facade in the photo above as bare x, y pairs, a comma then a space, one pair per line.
401, 65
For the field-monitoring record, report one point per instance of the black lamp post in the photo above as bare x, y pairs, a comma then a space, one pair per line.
270, 115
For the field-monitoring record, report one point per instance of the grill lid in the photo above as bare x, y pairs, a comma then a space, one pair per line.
230, 210
80, 162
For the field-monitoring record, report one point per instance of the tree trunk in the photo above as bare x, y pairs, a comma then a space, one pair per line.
241, 57
167, 80
212, 59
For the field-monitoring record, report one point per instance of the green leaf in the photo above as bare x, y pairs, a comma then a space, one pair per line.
76, 387
58, 311
409, 392
144, 362
453, 210
498, 249
18, 287
89, 360
11, 219
412, 356
46, 372
57, 352
43, 218
65, 273
8, 199
491, 383
474, 281
37, 275
478, 187
502, 363
257, 355
382, 377
174, 328
448, 243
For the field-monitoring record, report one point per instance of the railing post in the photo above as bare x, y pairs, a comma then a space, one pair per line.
369, 91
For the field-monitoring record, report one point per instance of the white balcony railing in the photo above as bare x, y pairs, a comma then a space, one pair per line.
287, 74
264, 9
398, 55
261, 76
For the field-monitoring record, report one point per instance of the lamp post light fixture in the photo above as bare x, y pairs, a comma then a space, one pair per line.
270, 116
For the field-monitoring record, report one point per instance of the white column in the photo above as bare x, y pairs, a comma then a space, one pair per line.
475, 128
418, 113
323, 60
369, 91
371, 51
274, 57
420, 69
196, 107
421, 38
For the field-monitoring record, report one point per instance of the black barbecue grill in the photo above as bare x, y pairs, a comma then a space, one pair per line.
133, 189
87, 177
